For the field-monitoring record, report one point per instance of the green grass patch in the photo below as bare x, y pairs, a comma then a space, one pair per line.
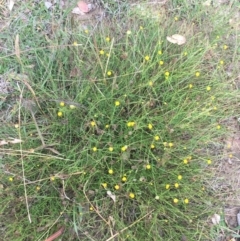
124, 125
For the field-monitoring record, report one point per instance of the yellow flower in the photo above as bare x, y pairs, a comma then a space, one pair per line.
197, 74
110, 171
167, 74
75, 43
165, 144
185, 161
110, 148
170, 144
176, 18
86, 31
91, 208
218, 127
72, 107
160, 52
221, 62
209, 162
208, 88
141, 27
107, 54
124, 178
230, 155
16, 126
117, 103
179, 177
148, 166
175, 200
147, 58
124, 148
104, 185
93, 123
156, 138
107, 39
60, 114
129, 32
94, 148
150, 126
101, 52
109, 73
150, 83
130, 123
161, 62
225, 47
52, 178
62, 104
152, 146
185, 53
38, 188
157, 197
167, 186
106, 126
131, 195
176, 185
190, 86
10, 179
117, 187
186, 201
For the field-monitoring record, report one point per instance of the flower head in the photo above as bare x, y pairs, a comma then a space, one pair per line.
225, 47
110, 171
208, 88
150, 126
109, 73
170, 144
209, 162
124, 178
75, 43
117, 103
101, 52
152, 146
161, 62
156, 138
147, 58
124, 148
197, 74
150, 83
10, 179
166, 74
94, 148
148, 166
129, 32
167, 186
175, 200
104, 185
107, 39
117, 187
190, 86
110, 148
185, 161
60, 114
131, 195
176, 185
93, 123
179, 177
72, 107
186, 201
61, 103
160, 52
131, 124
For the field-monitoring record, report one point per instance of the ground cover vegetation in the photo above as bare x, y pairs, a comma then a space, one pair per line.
115, 124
